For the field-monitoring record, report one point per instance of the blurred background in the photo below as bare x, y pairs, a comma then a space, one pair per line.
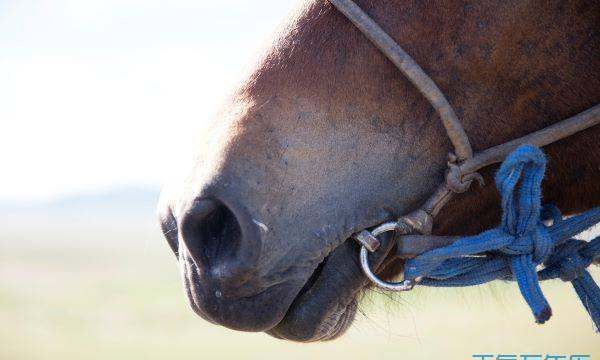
100, 101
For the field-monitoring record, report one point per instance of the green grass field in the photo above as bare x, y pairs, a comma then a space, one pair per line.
83, 291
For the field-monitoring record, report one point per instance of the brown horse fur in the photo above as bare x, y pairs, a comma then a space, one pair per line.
326, 137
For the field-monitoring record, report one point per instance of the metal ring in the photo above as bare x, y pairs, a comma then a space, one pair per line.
385, 227
404, 285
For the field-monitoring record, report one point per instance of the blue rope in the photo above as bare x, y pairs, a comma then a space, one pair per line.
521, 242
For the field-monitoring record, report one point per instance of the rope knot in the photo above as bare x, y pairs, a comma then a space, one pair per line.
521, 219
521, 242
571, 268
538, 243
569, 263
458, 182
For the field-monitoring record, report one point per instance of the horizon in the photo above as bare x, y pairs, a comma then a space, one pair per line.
92, 193
104, 94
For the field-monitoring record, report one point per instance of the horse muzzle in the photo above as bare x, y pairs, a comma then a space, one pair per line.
218, 247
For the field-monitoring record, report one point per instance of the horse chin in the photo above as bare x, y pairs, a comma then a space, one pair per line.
326, 306
335, 325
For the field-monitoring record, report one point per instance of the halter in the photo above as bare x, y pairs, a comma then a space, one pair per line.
414, 229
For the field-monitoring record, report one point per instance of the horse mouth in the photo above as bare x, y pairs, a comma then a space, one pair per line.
322, 309
326, 305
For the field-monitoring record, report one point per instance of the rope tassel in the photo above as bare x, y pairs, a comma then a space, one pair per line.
589, 293
569, 263
521, 242
523, 270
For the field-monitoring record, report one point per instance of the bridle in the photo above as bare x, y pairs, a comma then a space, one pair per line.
414, 229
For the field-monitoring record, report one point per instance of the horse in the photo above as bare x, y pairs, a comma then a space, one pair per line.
324, 137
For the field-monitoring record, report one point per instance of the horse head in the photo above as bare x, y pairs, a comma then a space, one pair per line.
325, 138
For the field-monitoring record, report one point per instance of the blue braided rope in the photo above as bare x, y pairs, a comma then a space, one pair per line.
521, 243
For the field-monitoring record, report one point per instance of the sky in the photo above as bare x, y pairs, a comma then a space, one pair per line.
97, 94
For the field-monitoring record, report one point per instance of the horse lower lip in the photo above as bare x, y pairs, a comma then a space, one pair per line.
309, 283
325, 306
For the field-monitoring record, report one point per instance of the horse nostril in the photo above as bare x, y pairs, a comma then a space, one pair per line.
213, 235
